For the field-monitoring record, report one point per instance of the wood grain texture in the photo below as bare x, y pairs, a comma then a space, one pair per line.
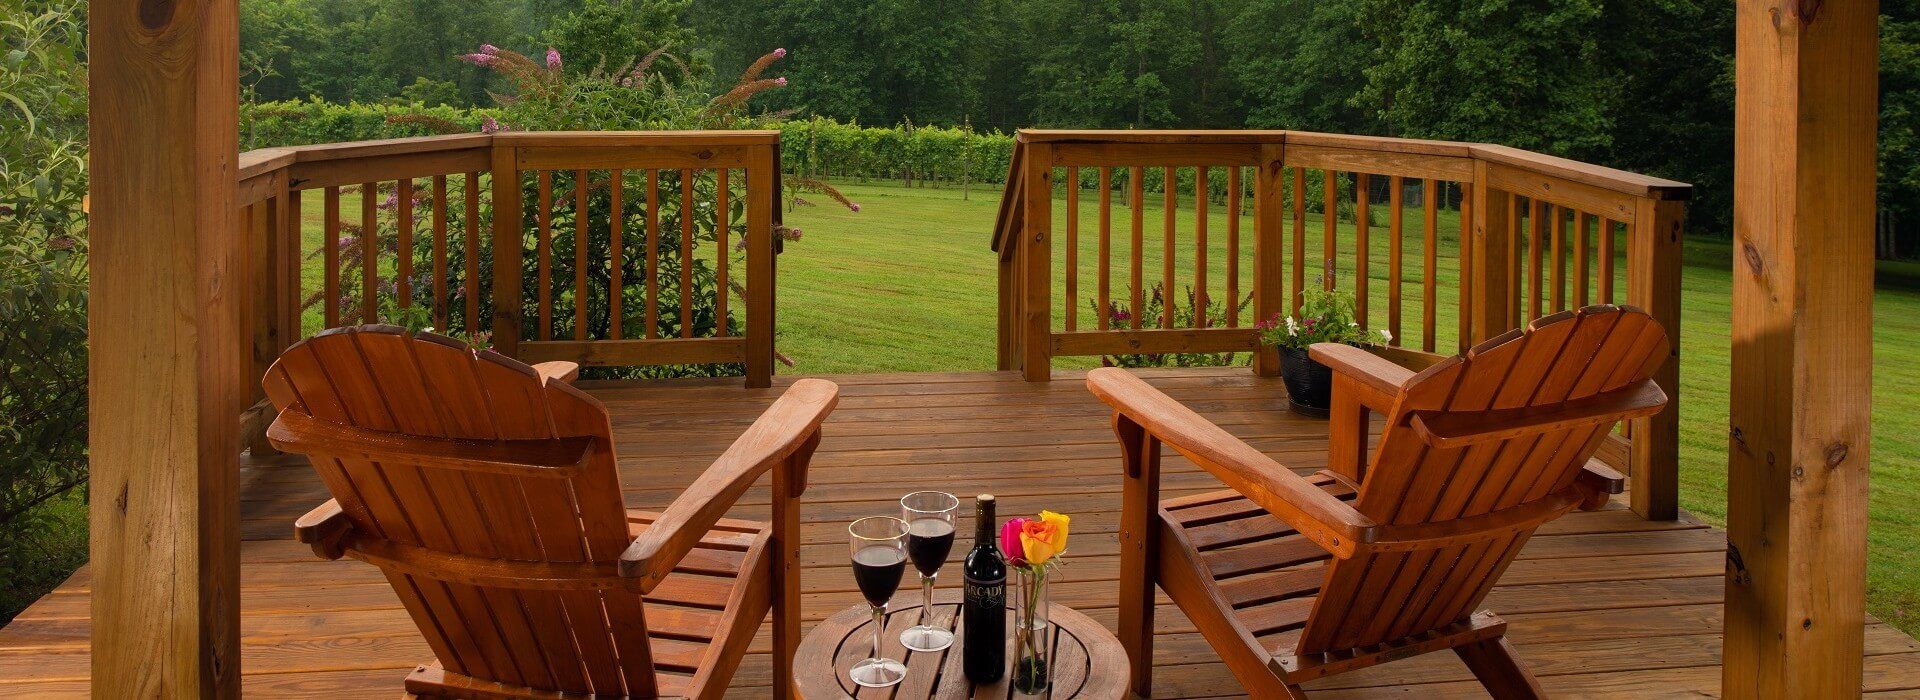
167, 375
1804, 129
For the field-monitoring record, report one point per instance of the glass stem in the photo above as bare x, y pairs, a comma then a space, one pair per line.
879, 623
926, 601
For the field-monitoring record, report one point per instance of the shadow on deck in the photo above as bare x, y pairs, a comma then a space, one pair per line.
1599, 603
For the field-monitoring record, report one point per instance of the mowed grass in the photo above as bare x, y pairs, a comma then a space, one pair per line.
909, 284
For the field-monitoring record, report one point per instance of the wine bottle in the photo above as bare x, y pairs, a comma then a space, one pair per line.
984, 645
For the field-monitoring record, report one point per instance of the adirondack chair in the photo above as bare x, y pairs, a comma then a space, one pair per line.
486, 492
1292, 578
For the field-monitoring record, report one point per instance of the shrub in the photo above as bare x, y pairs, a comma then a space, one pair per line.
43, 296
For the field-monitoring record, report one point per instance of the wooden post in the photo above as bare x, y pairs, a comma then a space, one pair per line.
1269, 248
1492, 259
1036, 313
1804, 129
763, 175
508, 249
1139, 549
1653, 284
168, 370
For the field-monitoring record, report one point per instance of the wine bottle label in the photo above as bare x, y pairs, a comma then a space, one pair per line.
986, 594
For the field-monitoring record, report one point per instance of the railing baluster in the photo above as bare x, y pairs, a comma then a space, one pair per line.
1536, 241
330, 254
1299, 236
1512, 263
1606, 260
1233, 246
580, 241
1137, 196
1200, 196
1430, 287
686, 253
440, 252
720, 291
295, 241
616, 252
1581, 264
1329, 222
403, 277
1073, 247
1169, 203
653, 254
1394, 220
1558, 230
1106, 249
472, 242
1466, 243
544, 254
369, 253
1362, 246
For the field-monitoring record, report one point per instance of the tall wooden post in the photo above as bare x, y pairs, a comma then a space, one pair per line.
1269, 247
763, 174
170, 355
1036, 313
1653, 283
1805, 116
1492, 260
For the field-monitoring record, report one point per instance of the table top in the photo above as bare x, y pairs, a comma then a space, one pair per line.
1088, 661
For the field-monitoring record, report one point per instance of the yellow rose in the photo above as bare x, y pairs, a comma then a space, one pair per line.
1044, 537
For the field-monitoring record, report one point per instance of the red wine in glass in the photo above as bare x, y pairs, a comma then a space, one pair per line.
878, 570
878, 546
929, 541
929, 516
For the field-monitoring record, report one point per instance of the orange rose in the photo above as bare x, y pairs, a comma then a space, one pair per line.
1044, 537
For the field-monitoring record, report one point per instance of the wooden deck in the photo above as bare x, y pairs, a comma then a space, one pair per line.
1600, 603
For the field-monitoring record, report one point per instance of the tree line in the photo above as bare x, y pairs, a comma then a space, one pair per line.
1644, 85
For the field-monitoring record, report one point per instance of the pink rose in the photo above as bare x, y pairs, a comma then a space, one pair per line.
1010, 540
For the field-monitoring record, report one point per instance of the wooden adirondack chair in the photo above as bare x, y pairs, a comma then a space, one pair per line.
1293, 578
486, 491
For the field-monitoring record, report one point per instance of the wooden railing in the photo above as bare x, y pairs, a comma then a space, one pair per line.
1543, 234
601, 248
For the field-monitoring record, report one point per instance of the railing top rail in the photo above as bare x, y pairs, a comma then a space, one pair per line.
266, 160
1604, 177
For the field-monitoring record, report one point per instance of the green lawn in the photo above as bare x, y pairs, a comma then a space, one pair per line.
908, 283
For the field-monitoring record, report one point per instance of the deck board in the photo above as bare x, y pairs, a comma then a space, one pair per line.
1600, 604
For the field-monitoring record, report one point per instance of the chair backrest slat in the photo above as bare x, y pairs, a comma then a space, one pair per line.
381, 378
1377, 597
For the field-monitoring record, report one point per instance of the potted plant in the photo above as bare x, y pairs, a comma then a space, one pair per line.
1324, 317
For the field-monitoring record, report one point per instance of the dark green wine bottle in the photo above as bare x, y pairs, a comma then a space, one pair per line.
984, 643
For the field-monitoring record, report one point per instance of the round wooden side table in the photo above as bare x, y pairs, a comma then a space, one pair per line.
1088, 661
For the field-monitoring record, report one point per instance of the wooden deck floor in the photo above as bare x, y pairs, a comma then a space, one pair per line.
1600, 604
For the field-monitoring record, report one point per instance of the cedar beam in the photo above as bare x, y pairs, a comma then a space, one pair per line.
171, 350
1805, 118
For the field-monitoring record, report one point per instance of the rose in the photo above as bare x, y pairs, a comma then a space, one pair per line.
1043, 538
1010, 540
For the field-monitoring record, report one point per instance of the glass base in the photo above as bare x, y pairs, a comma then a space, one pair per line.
878, 673
926, 638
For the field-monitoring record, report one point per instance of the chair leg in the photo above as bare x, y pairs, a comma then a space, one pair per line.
1139, 549
789, 481
1500, 670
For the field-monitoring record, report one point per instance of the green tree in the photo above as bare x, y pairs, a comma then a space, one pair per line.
615, 32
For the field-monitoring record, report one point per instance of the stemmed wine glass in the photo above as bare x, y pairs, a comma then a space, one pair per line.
879, 546
929, 516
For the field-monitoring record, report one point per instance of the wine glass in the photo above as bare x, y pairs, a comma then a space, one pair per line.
879, 548
929, 516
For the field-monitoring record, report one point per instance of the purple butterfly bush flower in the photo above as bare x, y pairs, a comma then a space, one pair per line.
553, 58
478, 59
489, 125
489, 49
855, 207
780, 81
780, 53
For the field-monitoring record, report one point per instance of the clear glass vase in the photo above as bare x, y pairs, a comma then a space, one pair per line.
1032, 635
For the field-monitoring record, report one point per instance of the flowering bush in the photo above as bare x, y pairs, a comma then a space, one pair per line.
1324, 317
1183, 317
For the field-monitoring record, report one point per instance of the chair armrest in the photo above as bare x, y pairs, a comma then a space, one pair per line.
325, 528
787, 429
558, 370
1326, 520
1378, 378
